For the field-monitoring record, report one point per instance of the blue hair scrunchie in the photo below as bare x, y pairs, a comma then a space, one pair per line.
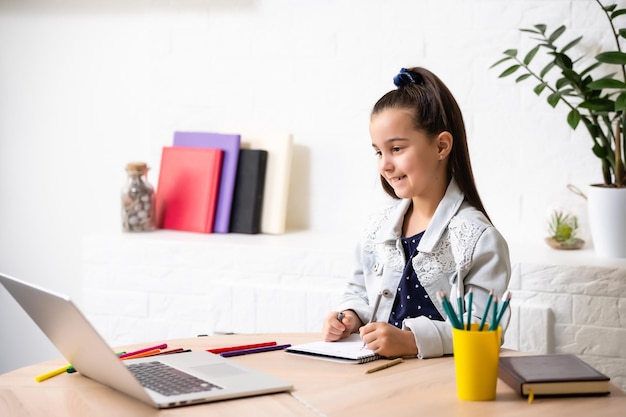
405, 77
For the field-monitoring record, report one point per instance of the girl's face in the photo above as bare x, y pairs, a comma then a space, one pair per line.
411, 162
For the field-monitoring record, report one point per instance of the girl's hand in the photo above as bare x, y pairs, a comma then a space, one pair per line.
333, 329
387, 340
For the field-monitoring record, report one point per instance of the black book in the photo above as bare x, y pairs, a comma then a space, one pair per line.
552, 375
245, 216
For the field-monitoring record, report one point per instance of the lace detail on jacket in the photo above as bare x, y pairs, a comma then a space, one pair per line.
463, 238
453, 252
429, 267
394, 258
372, 228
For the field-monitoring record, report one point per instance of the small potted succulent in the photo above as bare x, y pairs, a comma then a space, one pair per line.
562, 227
594, 90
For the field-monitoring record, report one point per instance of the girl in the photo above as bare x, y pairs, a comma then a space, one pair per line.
436, 237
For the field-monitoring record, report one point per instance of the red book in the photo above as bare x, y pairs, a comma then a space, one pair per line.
187, 191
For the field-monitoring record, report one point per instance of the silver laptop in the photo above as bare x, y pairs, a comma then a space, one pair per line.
212, 376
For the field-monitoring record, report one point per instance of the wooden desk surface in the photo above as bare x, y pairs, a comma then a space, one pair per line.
411, 388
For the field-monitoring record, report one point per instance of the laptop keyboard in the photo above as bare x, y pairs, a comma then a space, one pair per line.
168, 381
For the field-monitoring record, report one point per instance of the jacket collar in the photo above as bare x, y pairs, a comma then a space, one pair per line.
447, 208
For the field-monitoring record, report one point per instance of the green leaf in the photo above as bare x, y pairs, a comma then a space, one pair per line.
620, 102
622, 33
592, 127
613, 57
530, 31
553, 99
501, 61
522, 78
531, 54
606, 83
610, 7
563, 61
541, 28
547, 69
598, 105
510, 70
571, 44
573, 118
549, 46
590, 68
572, 76
562, 82
618, 12
555, 35
510, 52
599, 151
539, 88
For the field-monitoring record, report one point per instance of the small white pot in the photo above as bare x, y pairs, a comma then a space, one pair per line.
607, 220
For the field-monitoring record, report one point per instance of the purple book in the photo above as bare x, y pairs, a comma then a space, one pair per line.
230, 144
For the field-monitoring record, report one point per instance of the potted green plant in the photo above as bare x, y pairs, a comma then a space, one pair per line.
562, 227
594, 90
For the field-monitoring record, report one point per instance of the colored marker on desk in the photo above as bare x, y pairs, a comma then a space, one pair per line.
161, 346
253, 350
52, 373
141, 354
242, 347
177, 350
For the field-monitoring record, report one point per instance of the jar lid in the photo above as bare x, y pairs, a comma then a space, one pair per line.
136, 167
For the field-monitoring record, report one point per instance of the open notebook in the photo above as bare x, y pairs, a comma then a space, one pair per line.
348, 350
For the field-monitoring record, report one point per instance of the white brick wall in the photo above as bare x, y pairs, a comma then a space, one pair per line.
160, 285
146, 287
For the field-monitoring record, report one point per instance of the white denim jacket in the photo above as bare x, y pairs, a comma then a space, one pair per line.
460, 243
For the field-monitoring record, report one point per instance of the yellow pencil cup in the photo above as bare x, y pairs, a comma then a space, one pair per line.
476, 355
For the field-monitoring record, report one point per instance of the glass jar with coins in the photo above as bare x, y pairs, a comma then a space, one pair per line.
138, 213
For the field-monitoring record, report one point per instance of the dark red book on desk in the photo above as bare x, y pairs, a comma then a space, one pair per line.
552, 375
187, 191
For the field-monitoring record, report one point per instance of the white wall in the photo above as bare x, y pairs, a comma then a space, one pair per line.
86, 86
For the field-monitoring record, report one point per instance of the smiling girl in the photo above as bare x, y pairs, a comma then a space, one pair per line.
436, 236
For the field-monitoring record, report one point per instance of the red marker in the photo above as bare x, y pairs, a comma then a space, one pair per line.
242, 347
163, 346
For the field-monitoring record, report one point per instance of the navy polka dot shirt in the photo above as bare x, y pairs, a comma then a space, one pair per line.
411, 299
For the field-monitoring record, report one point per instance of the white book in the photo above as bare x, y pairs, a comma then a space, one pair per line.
279, 147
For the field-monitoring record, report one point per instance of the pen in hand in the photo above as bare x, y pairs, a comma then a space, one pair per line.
340, 317
376, 305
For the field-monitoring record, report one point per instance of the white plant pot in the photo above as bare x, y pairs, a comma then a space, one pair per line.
607, 220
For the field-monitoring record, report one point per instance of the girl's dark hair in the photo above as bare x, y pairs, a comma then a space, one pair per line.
434, 111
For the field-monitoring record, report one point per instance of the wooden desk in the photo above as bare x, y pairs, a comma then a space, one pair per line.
414, 387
